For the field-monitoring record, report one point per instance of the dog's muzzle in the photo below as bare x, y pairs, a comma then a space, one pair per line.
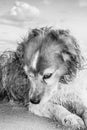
35, 100
35, 97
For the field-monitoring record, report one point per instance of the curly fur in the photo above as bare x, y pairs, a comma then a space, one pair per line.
14, 81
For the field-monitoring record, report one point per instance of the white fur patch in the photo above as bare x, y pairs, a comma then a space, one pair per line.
26, 68
34, 60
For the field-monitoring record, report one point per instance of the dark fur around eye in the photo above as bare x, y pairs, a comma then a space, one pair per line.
47, 76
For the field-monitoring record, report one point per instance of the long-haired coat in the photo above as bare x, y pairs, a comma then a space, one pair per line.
46, 72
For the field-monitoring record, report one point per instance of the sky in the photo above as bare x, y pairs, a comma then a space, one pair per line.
18, 16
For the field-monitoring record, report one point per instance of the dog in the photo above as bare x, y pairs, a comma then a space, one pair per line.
54, 65
46, 73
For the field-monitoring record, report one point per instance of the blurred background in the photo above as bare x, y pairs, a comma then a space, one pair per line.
17, 17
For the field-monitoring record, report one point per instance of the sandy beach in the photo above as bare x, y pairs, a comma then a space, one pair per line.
20, 119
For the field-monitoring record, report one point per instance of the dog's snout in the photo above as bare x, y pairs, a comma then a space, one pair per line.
35, 100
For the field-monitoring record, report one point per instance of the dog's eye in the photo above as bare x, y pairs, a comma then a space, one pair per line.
47, 76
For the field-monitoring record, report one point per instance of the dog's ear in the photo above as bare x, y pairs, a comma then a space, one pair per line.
71, 56
24, 44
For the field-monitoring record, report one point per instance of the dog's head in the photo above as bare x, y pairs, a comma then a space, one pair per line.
51, 57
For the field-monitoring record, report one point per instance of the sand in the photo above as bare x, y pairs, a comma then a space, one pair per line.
20, 119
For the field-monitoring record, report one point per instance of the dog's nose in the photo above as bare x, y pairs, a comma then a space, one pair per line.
35, 100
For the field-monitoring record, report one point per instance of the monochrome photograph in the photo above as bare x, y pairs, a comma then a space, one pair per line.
43, 65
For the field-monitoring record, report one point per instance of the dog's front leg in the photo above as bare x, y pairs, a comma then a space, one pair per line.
58, 113
65, 117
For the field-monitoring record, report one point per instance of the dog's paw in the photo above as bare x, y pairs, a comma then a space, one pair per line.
73, 121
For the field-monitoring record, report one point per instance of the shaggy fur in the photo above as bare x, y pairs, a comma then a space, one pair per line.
45, 71
14, 83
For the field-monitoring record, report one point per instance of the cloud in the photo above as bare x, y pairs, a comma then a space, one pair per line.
20, 14
82, 3
23, 10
